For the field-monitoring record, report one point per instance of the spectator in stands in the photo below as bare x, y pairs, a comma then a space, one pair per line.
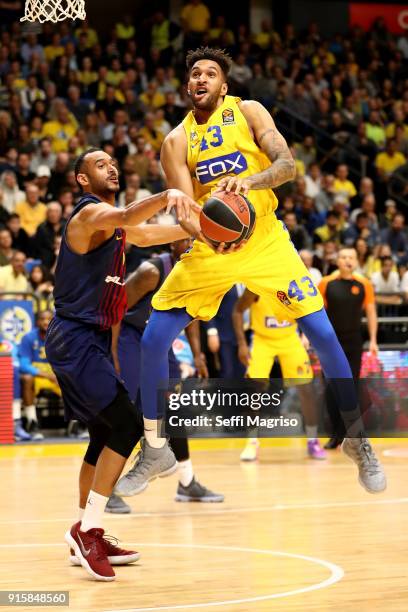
47, 231
389, 160
30, 93
154, 181
342, 184
307, 258
6, 246
331, 230
44, 156
24, 174
21, 240
314, 181
43, 177
151, 134
11, 192
59, 174
77, 107
365, 259
13, 277
306, 151
132, 187
395, 236
31, 211
298, 233
375, 130
41, 285
361, 229
36, 373
368, 206
324, 200
387, 217
62, 128
404, 285
195, 21
387, 280
326, 258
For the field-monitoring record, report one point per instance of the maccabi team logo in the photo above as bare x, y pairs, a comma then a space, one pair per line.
282, 297
194, 140
15, 322
228, 116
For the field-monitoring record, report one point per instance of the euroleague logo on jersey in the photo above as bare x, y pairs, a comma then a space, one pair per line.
228, 116
208, 170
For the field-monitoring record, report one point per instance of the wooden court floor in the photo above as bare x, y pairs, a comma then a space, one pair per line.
292, 535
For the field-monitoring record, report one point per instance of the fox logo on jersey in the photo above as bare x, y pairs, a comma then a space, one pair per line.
208, 170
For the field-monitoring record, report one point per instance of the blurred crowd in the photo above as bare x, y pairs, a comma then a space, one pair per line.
66, 88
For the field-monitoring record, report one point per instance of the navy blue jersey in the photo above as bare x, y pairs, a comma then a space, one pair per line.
138, 315
90, 288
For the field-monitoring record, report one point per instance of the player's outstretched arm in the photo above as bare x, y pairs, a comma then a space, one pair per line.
150, 234
271, 141
103, 216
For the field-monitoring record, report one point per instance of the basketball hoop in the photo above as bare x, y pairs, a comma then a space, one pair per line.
53, 10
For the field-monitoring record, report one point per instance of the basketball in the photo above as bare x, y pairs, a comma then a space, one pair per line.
227, 217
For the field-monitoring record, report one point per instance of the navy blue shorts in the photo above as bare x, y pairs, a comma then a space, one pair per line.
129, 352
80, 356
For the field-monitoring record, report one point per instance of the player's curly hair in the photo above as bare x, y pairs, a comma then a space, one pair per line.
219, 56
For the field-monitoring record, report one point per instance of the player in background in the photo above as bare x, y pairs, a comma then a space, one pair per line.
90, 298
233, 145
347, 295
273, 339
140, 287
36, 372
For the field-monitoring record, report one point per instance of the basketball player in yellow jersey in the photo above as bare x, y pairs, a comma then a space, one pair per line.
270, 339
234, 145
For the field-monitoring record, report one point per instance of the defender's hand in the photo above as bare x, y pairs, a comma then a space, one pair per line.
182, 203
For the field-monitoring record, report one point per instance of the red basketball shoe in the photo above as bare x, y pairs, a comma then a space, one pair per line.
116, 555
89, 547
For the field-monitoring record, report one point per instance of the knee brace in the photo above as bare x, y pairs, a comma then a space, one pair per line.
98, 436
126, 424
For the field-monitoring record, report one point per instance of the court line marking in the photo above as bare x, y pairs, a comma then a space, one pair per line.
175, 514
336, 573
396, 452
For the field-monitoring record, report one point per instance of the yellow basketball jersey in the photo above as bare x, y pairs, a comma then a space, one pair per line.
224, 146
265, 324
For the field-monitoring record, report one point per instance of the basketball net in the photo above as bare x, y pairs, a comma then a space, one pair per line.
53, 10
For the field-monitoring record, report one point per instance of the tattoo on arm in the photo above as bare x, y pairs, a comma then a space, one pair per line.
283, 165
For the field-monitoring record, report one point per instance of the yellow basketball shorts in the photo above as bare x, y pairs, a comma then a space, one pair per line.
42, 383
267, 265
291, 353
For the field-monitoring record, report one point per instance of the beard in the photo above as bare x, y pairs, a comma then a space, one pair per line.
209, 103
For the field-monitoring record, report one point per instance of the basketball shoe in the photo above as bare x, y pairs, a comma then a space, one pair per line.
116, 505
90, 549
370, 471
251, 450
195, 492
314, 450
116, 555
150, 463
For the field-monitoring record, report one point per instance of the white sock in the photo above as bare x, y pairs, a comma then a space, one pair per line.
185, 472
311, 431
94, 509
151, 427
30, 413
16, 409
80, 513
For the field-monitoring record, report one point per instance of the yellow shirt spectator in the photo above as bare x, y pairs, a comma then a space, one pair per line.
31, 215
387, 164
60, 131
345, 187
153, 99
124, 31
114, 77
91, 36
390, 130
12, 281
53, 51
195, 16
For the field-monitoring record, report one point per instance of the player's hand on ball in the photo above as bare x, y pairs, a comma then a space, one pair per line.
243, 353
235, 184
222, 249
182, 203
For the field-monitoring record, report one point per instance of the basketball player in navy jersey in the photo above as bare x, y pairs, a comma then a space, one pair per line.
90, 297
126, 347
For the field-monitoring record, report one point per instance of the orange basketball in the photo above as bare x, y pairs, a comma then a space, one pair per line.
227, 217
